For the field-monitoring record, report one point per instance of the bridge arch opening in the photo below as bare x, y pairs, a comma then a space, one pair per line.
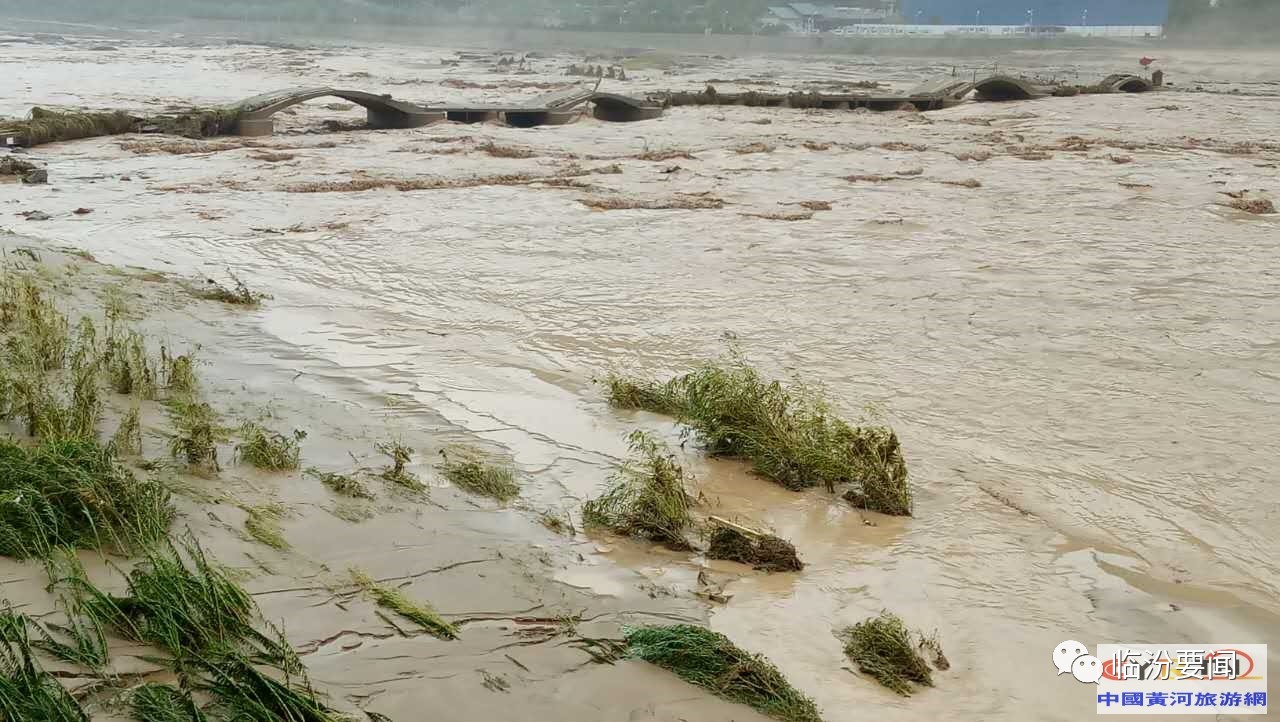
1002, 89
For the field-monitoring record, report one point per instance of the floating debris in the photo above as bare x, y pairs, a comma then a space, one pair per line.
765, 552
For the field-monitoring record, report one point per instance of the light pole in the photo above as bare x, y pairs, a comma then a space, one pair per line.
918, 14
977, 16
1084, 19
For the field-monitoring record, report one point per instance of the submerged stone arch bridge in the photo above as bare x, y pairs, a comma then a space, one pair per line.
383, 111
254, 115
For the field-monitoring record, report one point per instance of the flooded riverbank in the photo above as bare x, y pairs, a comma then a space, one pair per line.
1077, 353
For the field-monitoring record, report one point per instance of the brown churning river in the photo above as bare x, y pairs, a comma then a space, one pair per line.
1081, 356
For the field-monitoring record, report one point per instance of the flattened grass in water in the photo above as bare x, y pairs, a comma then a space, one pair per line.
185, 604
395, 600
646, 498
74, 493
27, 691
468, 469
263, 524
788, 433
343, 484
153, 702
883, 648
270, 450
709, 660
238, 294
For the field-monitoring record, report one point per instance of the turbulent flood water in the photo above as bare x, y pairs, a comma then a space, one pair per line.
1081, 355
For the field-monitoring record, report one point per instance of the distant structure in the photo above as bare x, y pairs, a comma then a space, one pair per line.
1036, 12
805, 17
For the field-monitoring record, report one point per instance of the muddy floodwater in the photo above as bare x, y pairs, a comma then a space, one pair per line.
1077, 342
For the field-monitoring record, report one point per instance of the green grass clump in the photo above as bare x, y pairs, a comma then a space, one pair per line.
80, 641
709, 660
263, 524
196, 433
467, 469
628, 393
788, 433
74, 493
40, 334
883, 648
341, 483
129, 369
419, 612
178, 600
127, 440
179, 372
183, 603
646, 498
27, 691
154, 702
269, 450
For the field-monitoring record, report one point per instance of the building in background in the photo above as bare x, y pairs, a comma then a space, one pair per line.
1036, 12
802, 17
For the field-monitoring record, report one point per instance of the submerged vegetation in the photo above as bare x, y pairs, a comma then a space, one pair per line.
263, 524
391, 598
467, 469
400, 455
238, 294
883, 648
788, 433
646, 498
341, 483
709, 660
196, 434
270, 450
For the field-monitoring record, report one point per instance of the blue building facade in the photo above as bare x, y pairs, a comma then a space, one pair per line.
1045, 12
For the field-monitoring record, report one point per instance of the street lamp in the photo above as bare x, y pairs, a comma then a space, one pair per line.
918, 14
977, 17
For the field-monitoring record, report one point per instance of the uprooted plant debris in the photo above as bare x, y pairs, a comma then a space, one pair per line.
792, 216
681, 202
708, 659
12, 166
1241, 201
647, 497
764, 552
884, 648
788, 433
